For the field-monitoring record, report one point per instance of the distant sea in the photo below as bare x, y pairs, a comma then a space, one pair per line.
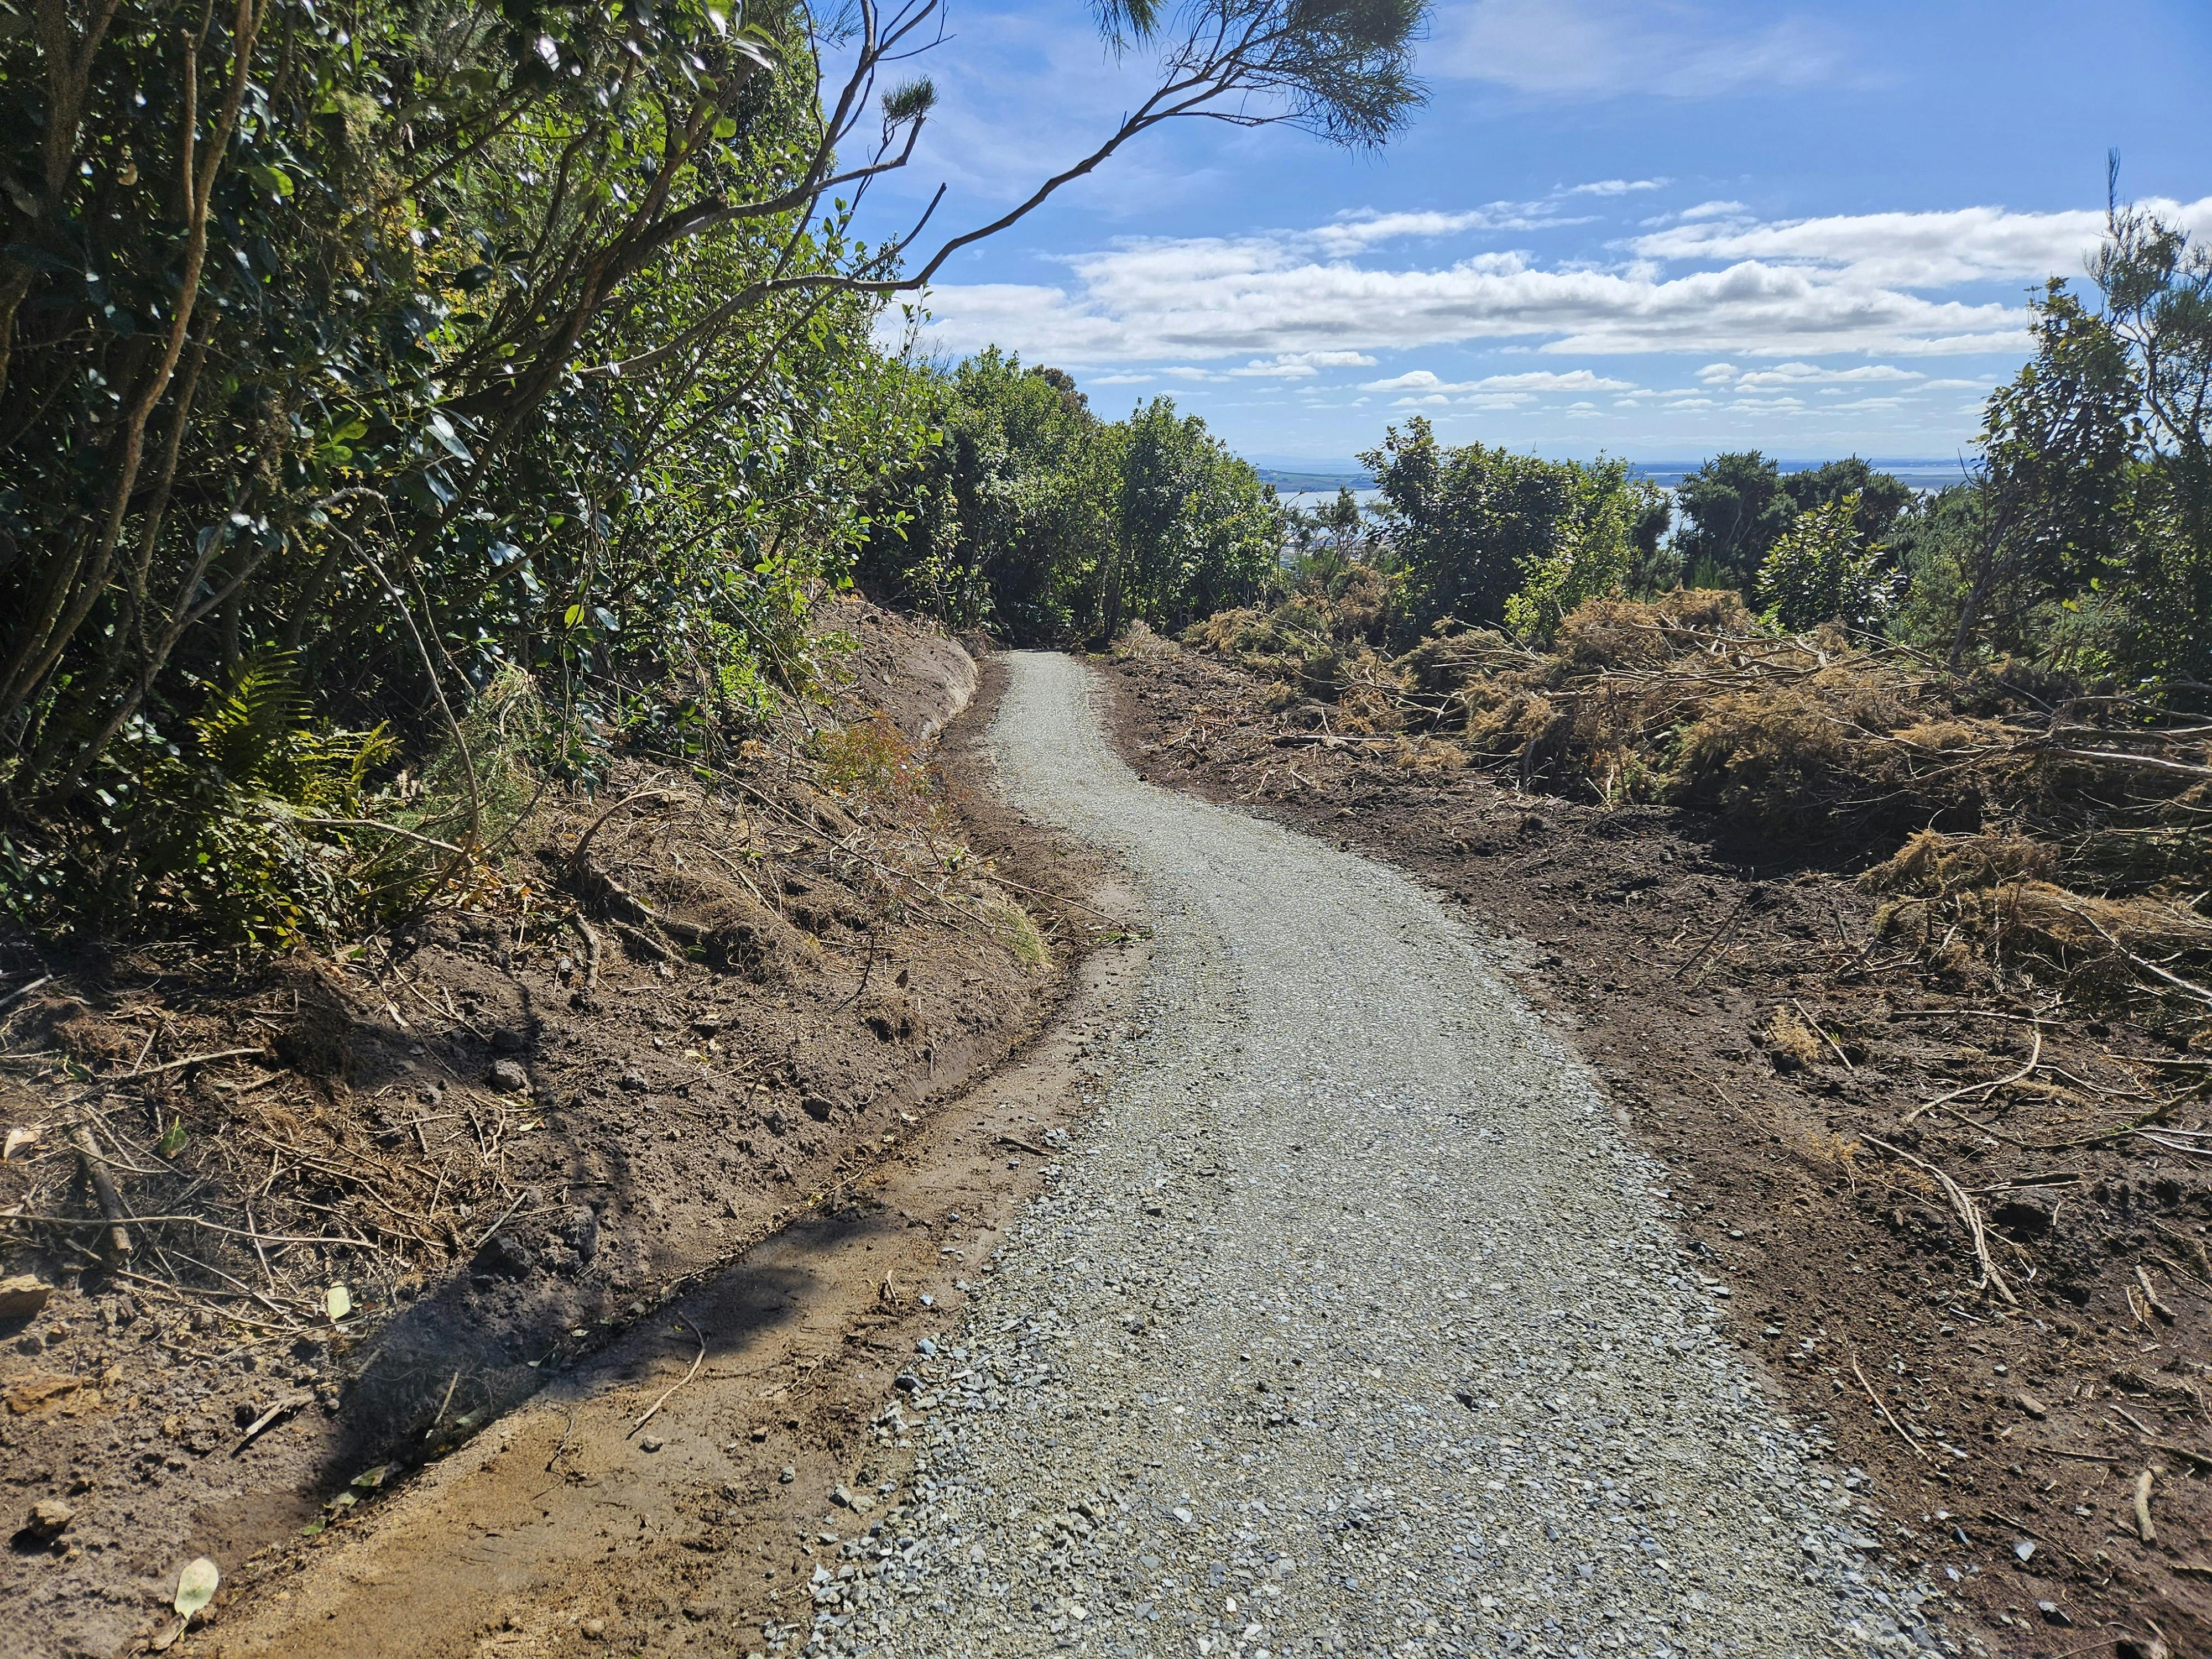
1314, 483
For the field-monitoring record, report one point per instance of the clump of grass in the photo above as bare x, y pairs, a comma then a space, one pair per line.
1010, 925
1790, 1041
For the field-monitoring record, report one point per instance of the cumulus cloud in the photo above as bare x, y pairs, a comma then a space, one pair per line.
1351, 233
1189, 299
1719, 282
1579, 379
1803, 374
1908, 251
1605, 48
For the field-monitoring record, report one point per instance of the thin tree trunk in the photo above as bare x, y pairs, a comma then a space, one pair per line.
38, 657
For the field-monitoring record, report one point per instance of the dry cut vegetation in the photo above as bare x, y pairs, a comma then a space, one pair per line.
2017, 825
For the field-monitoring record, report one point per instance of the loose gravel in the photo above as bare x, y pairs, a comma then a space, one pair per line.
1351, 1324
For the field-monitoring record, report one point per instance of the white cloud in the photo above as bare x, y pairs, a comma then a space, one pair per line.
1603, 48
1798, 375
1907, 251
1579, 379
1287, 300
1217, 297
1300, 365
1412, 380
1351, 233
1618, 186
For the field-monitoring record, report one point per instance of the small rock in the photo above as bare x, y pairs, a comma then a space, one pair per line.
636, 1081
508, 1077
23, 1296
579, 1230
595, 1630
652, 1443
506, 1040
2028, 1403
788, 1475
2023, 1549
2053, 1613
842, 1498
49, 1519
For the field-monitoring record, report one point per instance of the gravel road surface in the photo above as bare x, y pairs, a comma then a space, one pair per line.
1351, 1322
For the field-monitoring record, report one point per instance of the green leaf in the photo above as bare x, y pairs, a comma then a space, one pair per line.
173, 1140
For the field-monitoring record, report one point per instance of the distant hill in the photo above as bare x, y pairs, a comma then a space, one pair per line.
1918, 473
1288, 482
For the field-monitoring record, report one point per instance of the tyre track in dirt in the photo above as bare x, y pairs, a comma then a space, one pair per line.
1355, 1325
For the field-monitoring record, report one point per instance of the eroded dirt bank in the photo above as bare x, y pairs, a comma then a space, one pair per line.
373, 1202
2007, 1440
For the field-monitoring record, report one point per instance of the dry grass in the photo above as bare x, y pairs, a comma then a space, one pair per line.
1791, 1042
2014, 816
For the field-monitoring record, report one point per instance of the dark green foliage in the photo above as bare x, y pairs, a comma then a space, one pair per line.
1734, 510
1825, 569
1196, 531
1882, 499
1001, 525
418, 346
2158, 300
1497, 539
1034, 518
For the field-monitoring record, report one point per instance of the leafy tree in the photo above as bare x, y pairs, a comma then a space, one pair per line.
1474, 527
1883, 498
1196, 532
1592, 550
1033, 517
417, 344
2157, 292
1824, 569
1005, 521
1734, 510
2057, 445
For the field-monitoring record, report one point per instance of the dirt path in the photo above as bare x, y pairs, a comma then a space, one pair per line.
1355, 1325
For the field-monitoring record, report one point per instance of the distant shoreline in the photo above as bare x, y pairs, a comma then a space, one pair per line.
1920, 473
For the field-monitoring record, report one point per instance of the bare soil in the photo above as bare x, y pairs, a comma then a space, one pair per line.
375, 1201
1760, 1041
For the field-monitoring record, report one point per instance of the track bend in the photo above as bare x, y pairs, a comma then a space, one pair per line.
1355, 1325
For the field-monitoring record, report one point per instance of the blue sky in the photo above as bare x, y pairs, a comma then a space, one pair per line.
1657, 229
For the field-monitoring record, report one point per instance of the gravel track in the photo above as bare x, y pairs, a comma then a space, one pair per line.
1351, 1324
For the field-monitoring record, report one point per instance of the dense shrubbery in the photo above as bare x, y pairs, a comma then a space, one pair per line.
2078, 539
1038, 521
356, 357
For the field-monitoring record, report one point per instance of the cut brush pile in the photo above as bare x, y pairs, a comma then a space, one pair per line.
2016, 823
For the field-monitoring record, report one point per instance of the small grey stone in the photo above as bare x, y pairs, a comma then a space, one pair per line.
508, 1077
